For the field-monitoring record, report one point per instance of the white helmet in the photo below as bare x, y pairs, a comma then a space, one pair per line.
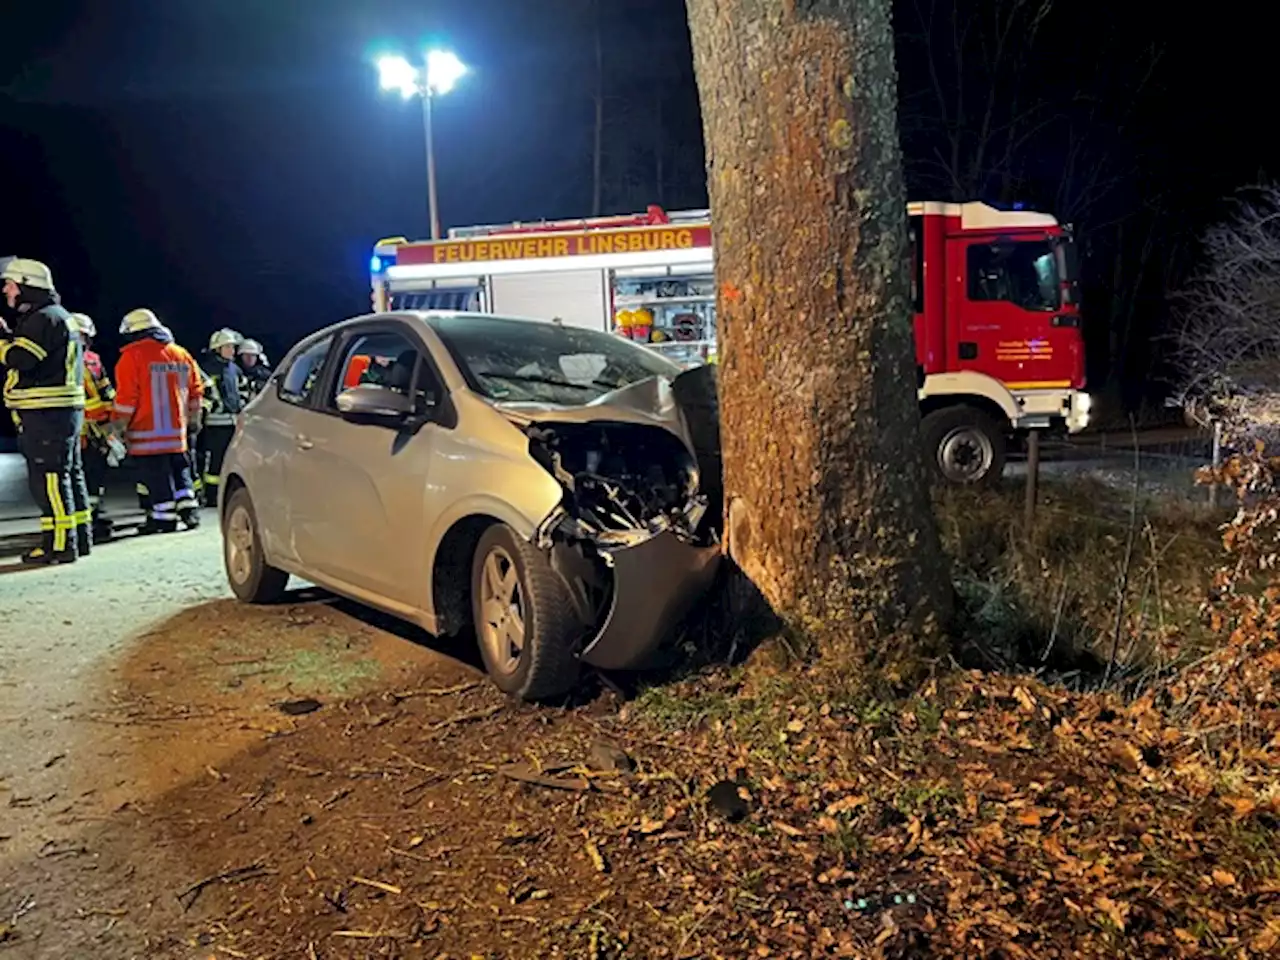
29, 273
252, 347
226, 337
139, 321
83, 323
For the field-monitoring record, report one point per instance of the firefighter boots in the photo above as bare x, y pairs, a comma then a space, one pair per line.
157, 526
45, 556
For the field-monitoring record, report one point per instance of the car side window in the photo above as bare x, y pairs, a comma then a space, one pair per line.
298, 384
391, 360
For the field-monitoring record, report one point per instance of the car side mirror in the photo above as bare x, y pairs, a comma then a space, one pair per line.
370, 403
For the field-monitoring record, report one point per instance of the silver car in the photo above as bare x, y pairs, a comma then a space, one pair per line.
555, 488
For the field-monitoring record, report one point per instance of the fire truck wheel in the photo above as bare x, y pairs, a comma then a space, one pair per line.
524, 618
252, 579
965, 446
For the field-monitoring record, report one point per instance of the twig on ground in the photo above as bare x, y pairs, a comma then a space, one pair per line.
423, 857
663, 744
432, 691
467, 717
524, 773
377, 885
236, 875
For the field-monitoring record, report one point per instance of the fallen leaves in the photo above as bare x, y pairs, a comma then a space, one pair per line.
1116, 912
1223, 878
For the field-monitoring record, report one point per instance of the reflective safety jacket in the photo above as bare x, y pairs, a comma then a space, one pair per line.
253, 380
45, 361
226, 400
99, 395
158, 393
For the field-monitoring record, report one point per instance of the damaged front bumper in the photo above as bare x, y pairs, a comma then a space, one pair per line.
655, 584
636, 537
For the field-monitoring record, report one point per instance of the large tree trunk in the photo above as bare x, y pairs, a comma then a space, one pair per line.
828, 512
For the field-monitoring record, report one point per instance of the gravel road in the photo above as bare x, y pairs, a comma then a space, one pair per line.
61, 629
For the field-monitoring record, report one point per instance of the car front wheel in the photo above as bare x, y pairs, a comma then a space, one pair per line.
524, 619
252, 579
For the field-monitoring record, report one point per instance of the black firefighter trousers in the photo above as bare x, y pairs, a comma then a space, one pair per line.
167, 480
55, 473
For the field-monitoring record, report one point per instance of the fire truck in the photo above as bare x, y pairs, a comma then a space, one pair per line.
999, 346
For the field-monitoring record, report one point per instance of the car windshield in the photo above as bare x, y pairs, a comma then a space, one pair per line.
533, 362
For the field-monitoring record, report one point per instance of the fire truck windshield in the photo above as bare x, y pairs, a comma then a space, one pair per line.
1023, 272
525, 361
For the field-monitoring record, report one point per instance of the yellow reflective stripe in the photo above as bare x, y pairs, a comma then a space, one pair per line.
42, 403
46, 524
30, 346
4, 349
83, 517
61, 521
140, 489
61, 390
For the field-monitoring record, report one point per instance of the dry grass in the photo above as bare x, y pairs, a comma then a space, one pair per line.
1051, 600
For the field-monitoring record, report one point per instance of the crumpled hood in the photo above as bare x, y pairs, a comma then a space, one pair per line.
655, 401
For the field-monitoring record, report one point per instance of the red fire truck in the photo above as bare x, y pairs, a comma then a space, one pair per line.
999, 348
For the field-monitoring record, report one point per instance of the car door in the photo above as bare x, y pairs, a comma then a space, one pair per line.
271, 427
357, 489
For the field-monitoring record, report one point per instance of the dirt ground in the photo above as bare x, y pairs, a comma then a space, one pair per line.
145, 680
185, 778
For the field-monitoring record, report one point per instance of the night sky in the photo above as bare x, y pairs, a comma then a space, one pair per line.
231, 162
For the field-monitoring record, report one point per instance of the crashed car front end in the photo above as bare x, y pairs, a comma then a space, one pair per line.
636, 534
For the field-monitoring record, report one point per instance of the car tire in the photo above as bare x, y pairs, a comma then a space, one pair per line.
514, 592
252, 579
965, 446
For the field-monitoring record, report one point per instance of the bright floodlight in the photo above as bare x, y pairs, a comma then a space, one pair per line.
397, 73
444, 70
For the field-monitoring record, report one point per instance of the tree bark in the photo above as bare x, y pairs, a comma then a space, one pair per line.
827, 503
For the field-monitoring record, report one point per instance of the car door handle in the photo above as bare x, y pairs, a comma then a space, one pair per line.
304, 443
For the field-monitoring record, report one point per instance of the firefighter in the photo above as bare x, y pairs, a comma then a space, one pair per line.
220, 423
158, 395
189, 500
98, 447
254, 371
44, 387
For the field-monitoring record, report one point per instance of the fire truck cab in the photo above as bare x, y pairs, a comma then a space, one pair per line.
999, 348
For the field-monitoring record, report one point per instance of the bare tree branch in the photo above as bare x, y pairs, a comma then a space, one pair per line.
1227, 338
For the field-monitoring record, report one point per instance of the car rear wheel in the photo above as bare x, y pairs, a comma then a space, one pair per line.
252, 579
965, 446
524, 619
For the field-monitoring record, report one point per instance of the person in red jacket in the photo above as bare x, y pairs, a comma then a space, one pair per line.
158, 396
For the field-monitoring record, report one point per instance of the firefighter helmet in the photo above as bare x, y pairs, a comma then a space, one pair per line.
84, 324
251, 347
226, 337
139, 321
28, 273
